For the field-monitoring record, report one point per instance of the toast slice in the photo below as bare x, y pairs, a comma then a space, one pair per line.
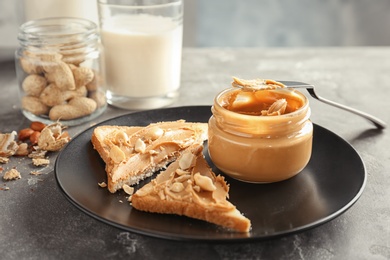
135, 153
189, 187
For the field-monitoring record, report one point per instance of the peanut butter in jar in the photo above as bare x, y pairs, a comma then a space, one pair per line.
260, 136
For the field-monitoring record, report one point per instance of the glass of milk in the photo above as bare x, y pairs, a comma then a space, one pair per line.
142, 43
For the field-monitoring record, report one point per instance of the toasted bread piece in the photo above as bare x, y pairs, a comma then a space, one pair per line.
134, 153
189, 187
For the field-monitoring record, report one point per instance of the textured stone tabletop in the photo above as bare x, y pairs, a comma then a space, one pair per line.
37, 222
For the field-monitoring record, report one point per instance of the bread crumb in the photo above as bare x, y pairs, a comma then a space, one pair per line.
12, 174
40, 162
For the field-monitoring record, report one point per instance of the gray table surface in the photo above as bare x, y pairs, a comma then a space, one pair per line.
37, 222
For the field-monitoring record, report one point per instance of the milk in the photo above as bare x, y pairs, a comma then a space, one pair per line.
142, 55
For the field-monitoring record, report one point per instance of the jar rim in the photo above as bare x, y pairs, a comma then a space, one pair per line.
57, 21
55, 30
295, 113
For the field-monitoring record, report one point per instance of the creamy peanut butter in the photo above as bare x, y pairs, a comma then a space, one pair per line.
260, 136
254, 102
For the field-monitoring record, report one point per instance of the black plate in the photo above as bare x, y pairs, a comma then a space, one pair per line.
332, 182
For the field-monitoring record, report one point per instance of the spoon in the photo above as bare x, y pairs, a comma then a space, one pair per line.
310, 88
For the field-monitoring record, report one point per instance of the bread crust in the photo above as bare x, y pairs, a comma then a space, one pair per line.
229, 219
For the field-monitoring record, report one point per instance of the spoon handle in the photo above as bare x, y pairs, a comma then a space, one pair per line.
376, 121
310, 88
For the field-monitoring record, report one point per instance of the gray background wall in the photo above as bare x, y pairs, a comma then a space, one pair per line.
251, 23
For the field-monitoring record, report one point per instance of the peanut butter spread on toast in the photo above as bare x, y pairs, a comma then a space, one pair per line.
134, 153
189, 187
193, 182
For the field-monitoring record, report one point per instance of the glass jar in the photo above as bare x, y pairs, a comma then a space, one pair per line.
256, 148
59, 70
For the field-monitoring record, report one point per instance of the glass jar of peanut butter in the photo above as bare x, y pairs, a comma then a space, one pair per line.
59, 70
260, 136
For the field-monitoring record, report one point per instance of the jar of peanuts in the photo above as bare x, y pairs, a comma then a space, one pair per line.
59, 69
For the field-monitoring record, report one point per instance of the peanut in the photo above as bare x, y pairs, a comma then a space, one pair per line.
34, 105
29, 66
82, 75
121, 137
70, 59
34, 137
60, 73
48, 57
37, 126
54, 80
140, 146
33, 85
25, 134
96, 81
48, 60
129, 190
30, 63
154, 133
99, 97
77, 107
181, 172
78, 92
52, 96
75, 56
177, 187
186, 160
204, 182
117, 154
277, 108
